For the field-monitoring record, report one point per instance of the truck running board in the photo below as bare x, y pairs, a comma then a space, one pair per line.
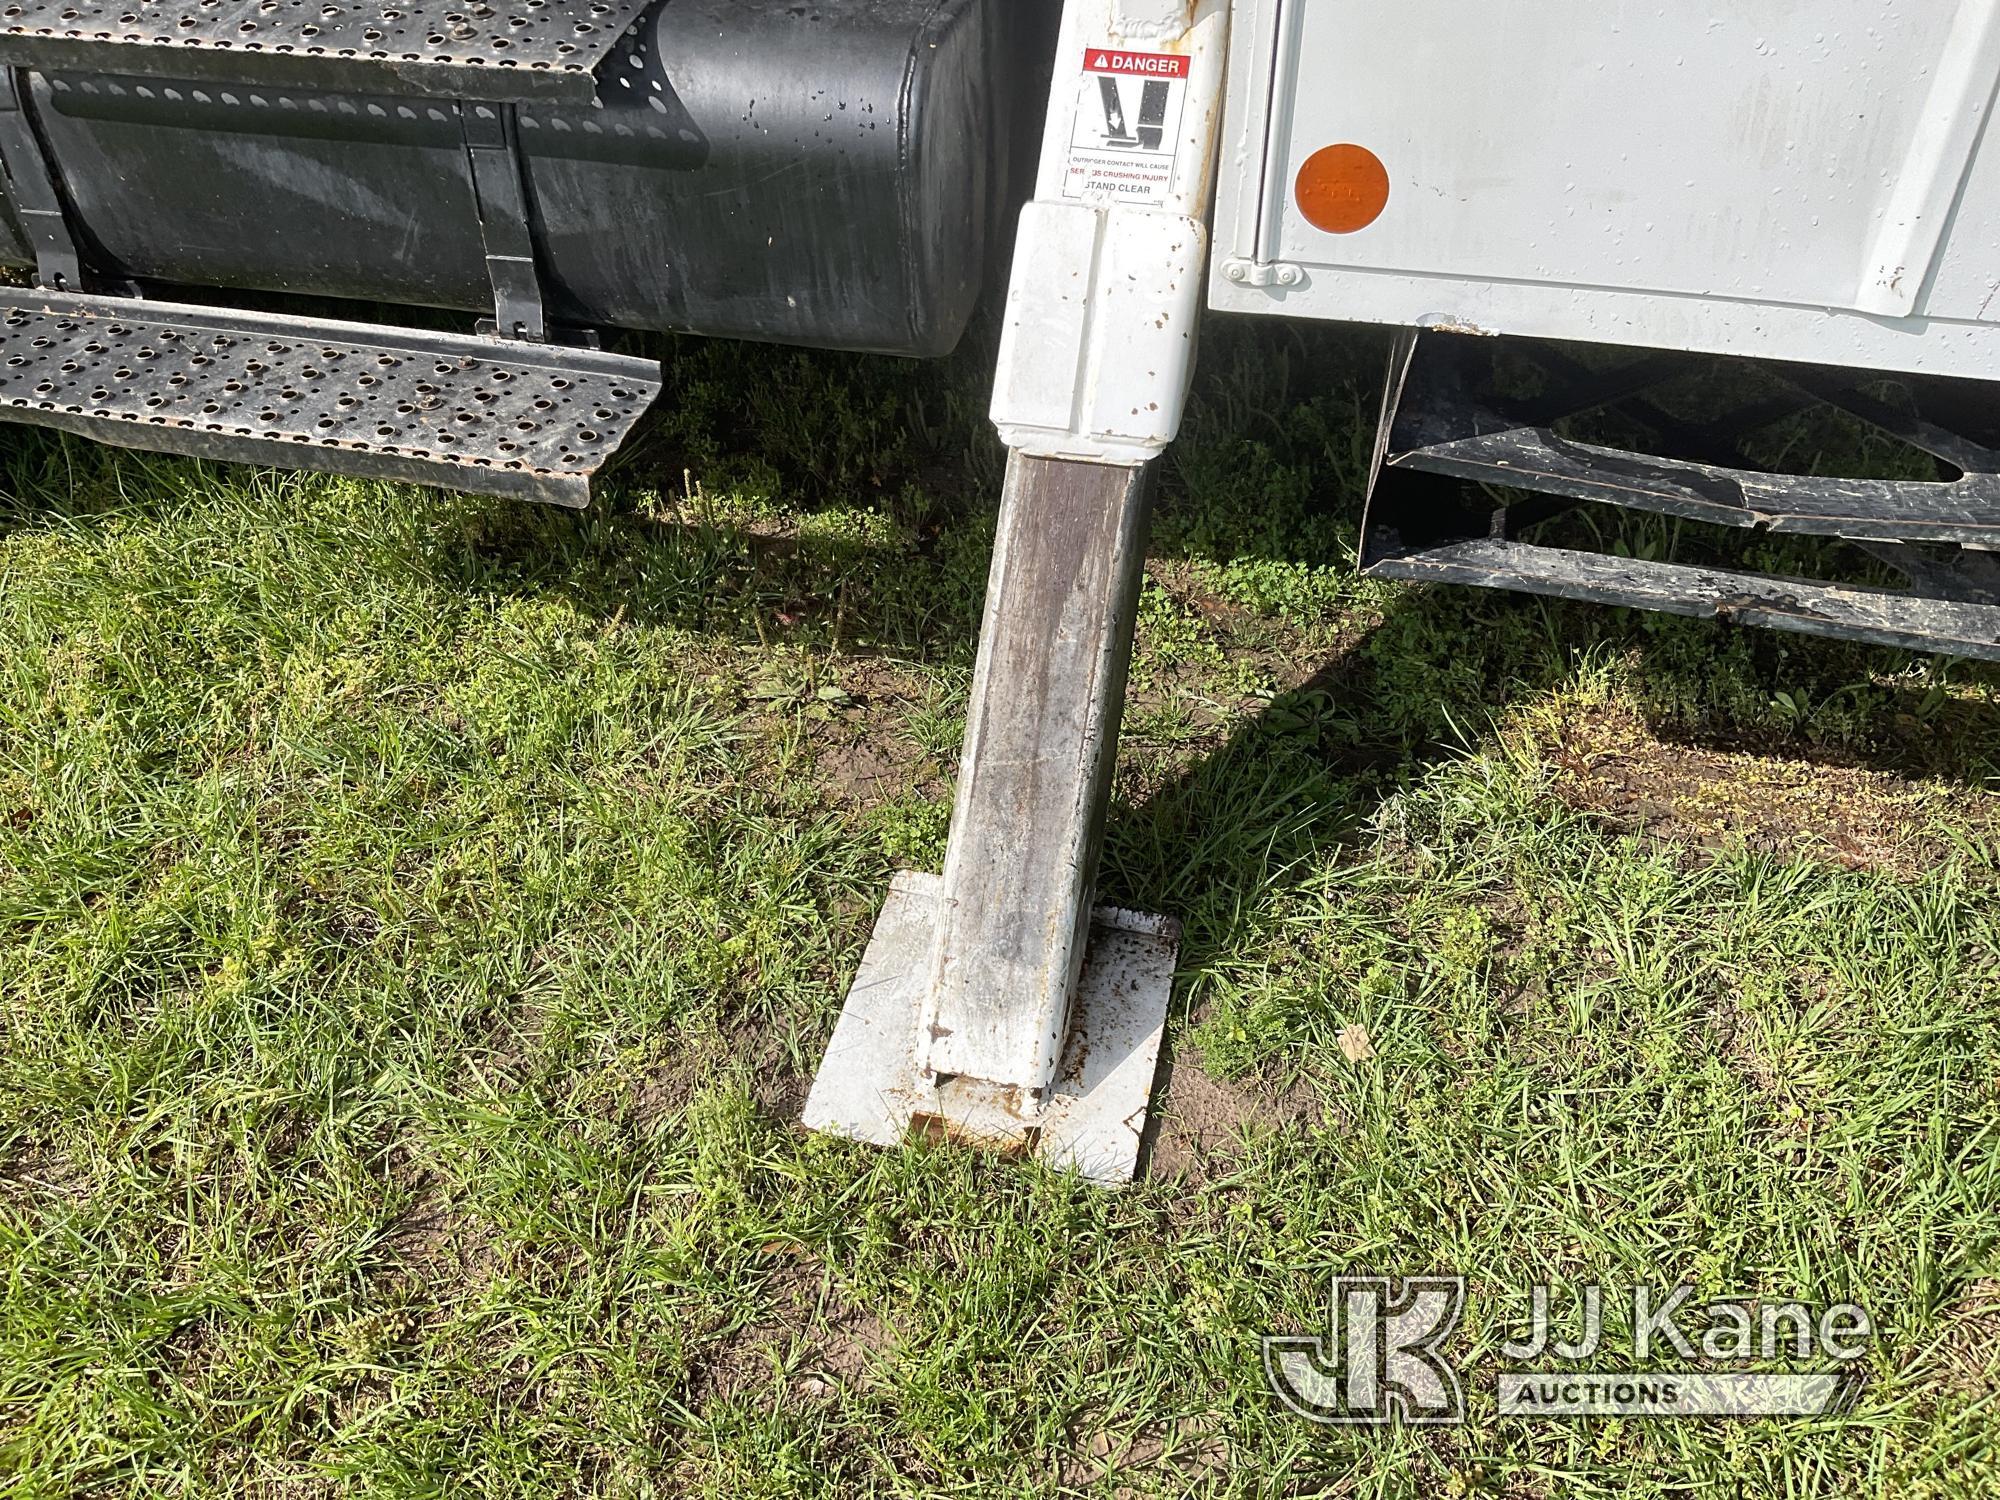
528, 50
489, 416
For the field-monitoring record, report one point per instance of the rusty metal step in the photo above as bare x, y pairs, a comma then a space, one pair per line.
1879, 616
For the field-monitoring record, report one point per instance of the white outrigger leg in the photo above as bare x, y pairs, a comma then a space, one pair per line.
994, 1004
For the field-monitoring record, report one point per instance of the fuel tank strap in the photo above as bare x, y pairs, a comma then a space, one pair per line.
33, 188
494, 50
492, 148
489, 416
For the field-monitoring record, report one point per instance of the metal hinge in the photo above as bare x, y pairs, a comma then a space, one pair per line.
1262, 272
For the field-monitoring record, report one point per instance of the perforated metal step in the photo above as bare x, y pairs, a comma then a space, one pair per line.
488, 416
453, 49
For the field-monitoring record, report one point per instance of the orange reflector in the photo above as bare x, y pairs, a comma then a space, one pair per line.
1343, 188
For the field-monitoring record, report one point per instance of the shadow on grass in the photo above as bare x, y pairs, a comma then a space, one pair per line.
1292, 788
841, 504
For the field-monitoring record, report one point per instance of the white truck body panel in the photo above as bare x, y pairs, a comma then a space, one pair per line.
1796, 179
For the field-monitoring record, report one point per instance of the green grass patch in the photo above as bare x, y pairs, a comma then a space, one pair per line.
420, 917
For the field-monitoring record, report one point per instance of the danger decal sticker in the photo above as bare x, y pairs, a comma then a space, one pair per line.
1127, 134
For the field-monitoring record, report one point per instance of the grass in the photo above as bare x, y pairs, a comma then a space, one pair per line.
420, 918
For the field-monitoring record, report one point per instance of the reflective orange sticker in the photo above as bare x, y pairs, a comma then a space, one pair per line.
1343, 188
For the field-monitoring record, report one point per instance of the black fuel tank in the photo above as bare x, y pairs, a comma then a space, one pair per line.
830, 173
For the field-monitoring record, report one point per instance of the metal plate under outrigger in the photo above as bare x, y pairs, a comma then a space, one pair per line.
872, 1086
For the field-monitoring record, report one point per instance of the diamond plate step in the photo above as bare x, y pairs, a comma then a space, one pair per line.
519, 50
489, 416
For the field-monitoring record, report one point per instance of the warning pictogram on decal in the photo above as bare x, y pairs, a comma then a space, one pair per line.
1127, 133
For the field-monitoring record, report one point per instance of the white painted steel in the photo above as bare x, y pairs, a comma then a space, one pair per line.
1798, 179
1098, 342
871, 1085
992, 1003
1096, 356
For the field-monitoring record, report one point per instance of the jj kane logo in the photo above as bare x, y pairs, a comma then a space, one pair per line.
1380, 1358
1383, 1357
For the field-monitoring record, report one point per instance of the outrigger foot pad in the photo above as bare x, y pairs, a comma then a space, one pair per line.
872, 1086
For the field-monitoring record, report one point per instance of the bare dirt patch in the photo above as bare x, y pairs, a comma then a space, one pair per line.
805, 1329
1199, 1123
1972, 1326
853, 711
1187, 1450
861, 770
40, 1178
1610, 764
671, 1083
666, 1089
439, 1247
